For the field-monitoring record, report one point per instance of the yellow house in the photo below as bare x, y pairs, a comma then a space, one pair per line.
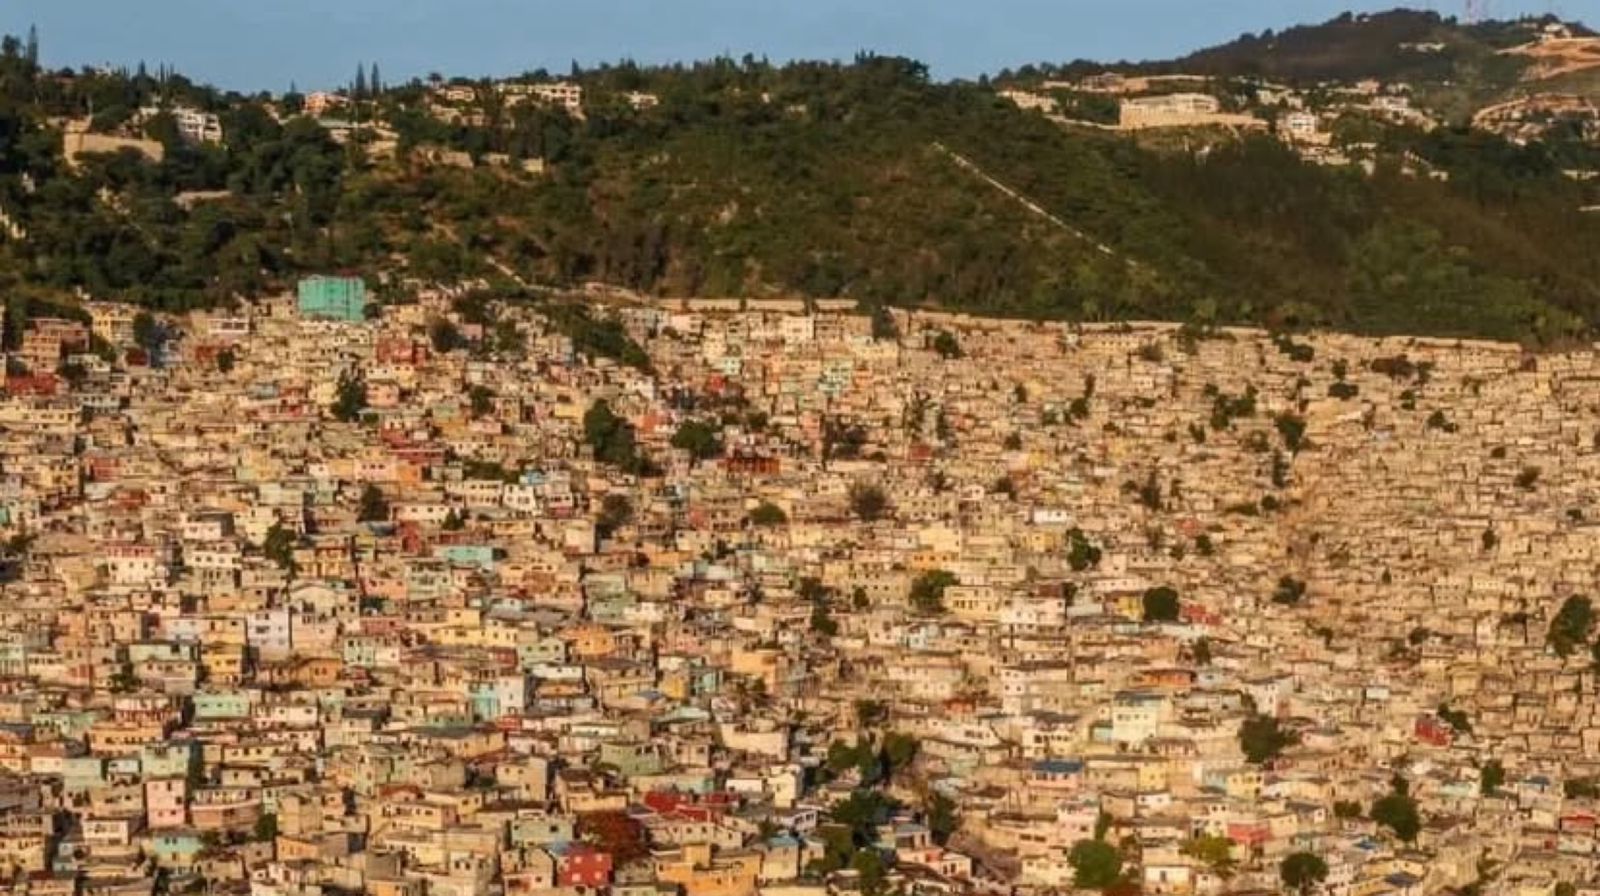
700, 874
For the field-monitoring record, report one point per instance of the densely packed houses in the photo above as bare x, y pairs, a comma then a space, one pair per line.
439, 603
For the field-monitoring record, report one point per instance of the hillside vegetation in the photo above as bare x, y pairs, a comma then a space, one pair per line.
1400, 45
1417, 47
810, 179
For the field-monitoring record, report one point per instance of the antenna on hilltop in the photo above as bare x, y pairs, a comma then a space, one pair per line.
1477, 11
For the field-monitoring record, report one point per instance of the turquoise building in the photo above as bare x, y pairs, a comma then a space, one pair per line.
632, 759
334, 298
168, 759
176, 849
478, 555
213, 706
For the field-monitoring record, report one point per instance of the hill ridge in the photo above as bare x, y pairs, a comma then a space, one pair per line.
807, 179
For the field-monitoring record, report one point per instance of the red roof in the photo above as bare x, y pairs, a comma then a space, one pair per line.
33, 384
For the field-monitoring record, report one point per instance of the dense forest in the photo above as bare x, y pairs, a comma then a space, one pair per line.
812, 179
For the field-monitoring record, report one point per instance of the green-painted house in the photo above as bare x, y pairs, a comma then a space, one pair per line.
333, 298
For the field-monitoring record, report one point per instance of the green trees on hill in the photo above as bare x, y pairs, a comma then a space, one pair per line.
616, 511
946, 345
1491, 777
1343, 48
480, 400
445, 336
1082, 554
1455, 718
1215, 851
768, 514
811, 179
286, 184
266, 827
596, 337
373, 506
868, 502
1095, 864
612, 439
1398, 811
1290, 591
351, 397
279, 547
1262, 739
1572, 625
1301, 872
943, 819
1161, 604
927, 591
699, 438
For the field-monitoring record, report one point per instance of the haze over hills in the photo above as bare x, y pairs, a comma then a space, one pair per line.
864, 180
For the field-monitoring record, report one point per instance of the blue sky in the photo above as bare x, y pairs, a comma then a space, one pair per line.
266, 44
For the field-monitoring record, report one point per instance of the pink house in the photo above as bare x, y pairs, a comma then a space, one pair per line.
1249, 834
164, 802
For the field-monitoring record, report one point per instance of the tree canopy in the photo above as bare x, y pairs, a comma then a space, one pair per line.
927, 590
350, 397
868, 502
612, 438
1302, 872
857, 179
1491, 777
1161, 604
1082, 554
768, 514
699, 438
1398, 812
374, 506
1095, 864
616, 511
1572, 625
1263, 739
1215, 851
1290, 591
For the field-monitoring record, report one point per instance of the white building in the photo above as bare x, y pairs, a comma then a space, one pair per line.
1299, 127
565, 94
1167, 110
268, 632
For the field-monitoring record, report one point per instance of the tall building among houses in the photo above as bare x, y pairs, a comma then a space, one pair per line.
333, 298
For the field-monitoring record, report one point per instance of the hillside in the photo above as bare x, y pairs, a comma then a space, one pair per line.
1400, 45
811, 179
1449, 65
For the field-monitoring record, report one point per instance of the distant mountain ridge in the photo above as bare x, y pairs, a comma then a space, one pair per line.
1404, 45
1457, 68
1400, 44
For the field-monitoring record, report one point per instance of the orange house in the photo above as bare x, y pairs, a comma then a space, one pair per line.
317, 672
590, 641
